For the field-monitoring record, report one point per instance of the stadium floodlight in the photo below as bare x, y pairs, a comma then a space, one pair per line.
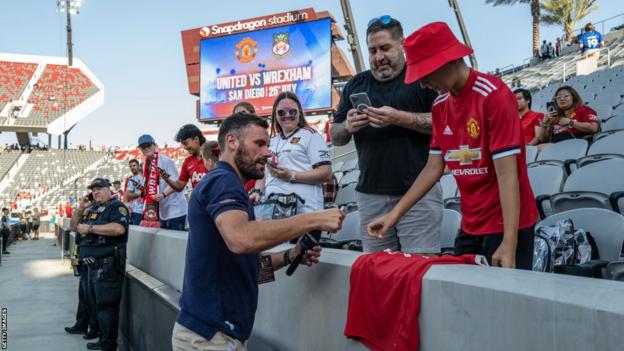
73, 5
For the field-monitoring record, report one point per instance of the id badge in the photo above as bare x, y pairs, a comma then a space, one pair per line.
266, 274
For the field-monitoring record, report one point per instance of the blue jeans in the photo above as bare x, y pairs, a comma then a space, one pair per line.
178, 223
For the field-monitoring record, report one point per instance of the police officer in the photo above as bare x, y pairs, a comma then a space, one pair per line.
103, 223
85, 315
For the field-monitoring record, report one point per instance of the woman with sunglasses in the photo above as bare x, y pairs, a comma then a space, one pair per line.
569, 120
301, 161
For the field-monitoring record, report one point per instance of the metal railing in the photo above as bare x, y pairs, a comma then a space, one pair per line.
602, 24
527, 61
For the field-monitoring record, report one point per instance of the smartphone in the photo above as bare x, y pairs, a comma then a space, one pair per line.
272, 160
551, 107
360, 101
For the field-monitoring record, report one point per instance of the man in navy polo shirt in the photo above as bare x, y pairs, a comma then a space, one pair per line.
220, 291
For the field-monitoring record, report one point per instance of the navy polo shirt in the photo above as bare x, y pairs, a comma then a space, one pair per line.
220, 290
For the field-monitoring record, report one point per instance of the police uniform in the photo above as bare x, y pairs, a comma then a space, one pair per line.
85, 315
105, 257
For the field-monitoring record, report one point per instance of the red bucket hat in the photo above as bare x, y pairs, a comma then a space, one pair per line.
429, 48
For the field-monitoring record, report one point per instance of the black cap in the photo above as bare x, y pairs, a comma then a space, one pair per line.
99, 182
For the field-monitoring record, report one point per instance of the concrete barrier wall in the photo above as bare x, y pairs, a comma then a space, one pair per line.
158, 252
463, 307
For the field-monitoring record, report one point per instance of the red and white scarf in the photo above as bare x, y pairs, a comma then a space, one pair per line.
150, 211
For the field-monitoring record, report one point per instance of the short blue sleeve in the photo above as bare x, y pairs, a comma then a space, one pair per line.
227, 194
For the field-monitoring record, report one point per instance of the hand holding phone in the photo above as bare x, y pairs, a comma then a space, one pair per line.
163, 173
360, 101
356, 117
551, 107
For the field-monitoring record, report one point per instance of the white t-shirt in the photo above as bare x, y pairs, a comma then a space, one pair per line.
136, 205
174, 205
304, 150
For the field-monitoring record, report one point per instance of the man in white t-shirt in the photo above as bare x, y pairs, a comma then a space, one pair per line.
134, 192
172, 209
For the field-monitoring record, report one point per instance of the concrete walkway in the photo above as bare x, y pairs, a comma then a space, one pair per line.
40, 293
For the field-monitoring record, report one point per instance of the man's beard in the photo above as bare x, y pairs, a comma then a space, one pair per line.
246, 166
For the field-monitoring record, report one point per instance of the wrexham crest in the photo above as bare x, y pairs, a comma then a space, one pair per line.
281, 45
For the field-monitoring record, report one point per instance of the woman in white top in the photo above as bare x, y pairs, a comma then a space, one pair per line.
303, 160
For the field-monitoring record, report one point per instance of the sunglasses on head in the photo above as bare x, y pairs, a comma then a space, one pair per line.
283, 113
385, 20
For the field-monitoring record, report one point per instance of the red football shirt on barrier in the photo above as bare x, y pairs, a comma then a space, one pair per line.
384, 298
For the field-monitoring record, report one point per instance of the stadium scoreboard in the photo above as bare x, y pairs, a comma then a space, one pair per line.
255, 60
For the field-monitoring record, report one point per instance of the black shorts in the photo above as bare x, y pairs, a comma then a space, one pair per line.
35, 226
486, 245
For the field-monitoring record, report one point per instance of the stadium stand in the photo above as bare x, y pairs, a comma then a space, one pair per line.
112, 168
546, 180
13, 79
565, 150
599, 184
36, 91
7, 160
44, 170
543, 74
47, 104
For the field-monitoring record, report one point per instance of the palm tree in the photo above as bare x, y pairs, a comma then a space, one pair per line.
567, 13
535, 13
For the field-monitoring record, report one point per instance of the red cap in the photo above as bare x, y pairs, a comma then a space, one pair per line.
429, 48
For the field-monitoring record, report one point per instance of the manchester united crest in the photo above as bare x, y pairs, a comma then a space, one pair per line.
281, 45
246, 50
473, 128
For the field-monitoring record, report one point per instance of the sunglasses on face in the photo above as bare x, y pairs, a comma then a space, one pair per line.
283, 113
385, 20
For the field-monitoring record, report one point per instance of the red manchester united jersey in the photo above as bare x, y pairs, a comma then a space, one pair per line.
471, 130
193, 169
384, 298
529, 121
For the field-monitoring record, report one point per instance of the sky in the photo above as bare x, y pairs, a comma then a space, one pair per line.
135, 48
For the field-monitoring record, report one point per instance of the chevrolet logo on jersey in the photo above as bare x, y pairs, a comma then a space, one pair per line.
465, 155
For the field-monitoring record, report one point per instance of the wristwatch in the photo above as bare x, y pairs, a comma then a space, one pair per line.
293, 177
571, 124
90, 230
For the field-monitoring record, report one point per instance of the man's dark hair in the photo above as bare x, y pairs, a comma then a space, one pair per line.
190, 131
526, 95
236, 123
4, 209
134, 160
394, 27
589, 27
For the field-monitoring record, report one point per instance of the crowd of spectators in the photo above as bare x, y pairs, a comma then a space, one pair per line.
568, 117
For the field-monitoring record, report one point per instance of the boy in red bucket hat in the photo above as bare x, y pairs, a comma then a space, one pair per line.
477, 134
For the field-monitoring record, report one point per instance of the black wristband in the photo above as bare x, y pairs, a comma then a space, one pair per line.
287, 257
